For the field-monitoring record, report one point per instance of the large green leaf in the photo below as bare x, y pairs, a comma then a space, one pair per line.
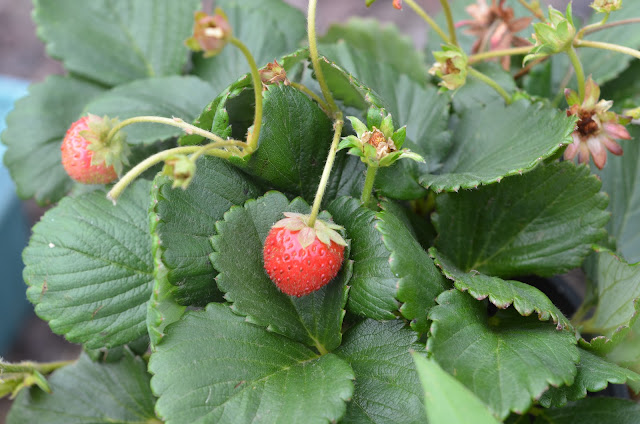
494, 356
35, 129
419, 282
181, 97
594, 374
269, 29
593, 411
294, 142
90, 393
381, 43
89, 267
213, 366
621, 181
617, 287
387, 389
315, 319
115, 42
543, 222
526, 299
184, 220
448, 401
492, 143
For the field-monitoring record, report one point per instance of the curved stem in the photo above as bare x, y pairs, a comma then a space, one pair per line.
499, 53
326, 172
607, 46
592, 27
174, 122
420, 11
577, 66
315, 60
368, 184
206, 148
490, 82
451, 26
589, 29
137, 170
257, 88
311, 94
27, 366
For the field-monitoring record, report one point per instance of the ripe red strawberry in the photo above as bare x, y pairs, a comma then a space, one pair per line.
300, 259
87, 156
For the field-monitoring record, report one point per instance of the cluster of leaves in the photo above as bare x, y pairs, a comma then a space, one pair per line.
429, 273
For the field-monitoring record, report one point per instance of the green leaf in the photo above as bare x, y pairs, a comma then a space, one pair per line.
381, 43
617, 287
35, 129
543, 222
526, 299
181, 97
624, 90
184, 220
494, 356
269, 29
315, 319
89, 267
215, 367
163, 308
373, 284
621, 181
624, 336
447, 401
419, 281
593, 411
387, 389
294, 142
117, 42
90, 392
492, 143
594, 374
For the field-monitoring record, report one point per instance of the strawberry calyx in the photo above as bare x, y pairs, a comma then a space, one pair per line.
108, 149
322, 230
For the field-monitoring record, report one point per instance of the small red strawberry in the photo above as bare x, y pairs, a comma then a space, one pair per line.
300, 259
89, 156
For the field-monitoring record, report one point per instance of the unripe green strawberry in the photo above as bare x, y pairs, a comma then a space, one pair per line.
87, 156
300, 259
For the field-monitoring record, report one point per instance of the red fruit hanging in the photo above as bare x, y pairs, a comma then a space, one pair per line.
300, 259
89, 155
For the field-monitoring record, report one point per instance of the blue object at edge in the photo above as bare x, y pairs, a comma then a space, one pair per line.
13, 233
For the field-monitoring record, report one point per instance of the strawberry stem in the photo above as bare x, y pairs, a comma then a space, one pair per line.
174, 122
368, 184
490, 82
499, 53
339, 123
420, 11
577, 67
28, 366
257, 88
211, 149
315, 60
451, 26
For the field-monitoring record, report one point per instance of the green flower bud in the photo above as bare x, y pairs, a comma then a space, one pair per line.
181, 169
553, 36
451, 67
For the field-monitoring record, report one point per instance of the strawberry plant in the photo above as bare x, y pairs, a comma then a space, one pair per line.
337, 228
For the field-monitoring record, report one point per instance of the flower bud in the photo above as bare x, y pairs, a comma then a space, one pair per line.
553, 36
210, 33
181, 169
606, 6
450, 66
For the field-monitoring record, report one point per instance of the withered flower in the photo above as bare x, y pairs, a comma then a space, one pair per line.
597, 127
495, 28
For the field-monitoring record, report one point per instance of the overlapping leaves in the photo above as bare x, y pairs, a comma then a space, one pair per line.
494, 356
213, 366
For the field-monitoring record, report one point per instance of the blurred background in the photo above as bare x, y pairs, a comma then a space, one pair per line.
22, 61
